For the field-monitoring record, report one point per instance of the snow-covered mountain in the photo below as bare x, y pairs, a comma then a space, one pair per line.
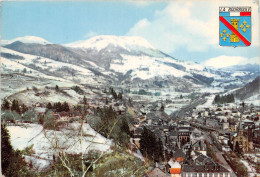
100, 42
244, 71
118, 59
26, 39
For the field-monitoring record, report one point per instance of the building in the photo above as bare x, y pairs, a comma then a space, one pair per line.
204, 171
184, 135
175, 169
179, 155
200, 147
242, 141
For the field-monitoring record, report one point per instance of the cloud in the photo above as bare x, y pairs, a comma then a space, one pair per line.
176, 26
138, 3
255, 60
225, 61
90, 34
193, 26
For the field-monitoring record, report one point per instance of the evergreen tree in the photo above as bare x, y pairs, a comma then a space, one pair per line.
130, 101
144, 144
6, 148
58, 106
217, 99
41, 119
65, 107
84, 100
24, 70
49, 106
5, 105
224, 99
120, 96
114, 95
111, 90
24, 108
151, 146
162, 108
125, 127
160, 150
57, 88
15, 106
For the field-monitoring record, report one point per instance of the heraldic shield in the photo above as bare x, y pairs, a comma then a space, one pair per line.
235, 26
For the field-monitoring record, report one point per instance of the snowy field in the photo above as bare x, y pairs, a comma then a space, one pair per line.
47, 143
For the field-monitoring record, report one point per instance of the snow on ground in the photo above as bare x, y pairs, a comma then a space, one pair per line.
255, 100
138, 153
209, 102
211, 90
49, 65
47, 143
145, 67
29, 97
240, 73
38, 164
12, 65
170, 110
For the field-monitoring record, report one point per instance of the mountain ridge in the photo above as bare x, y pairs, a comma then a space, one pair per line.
130, 62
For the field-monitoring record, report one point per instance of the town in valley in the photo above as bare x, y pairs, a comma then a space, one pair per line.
118, 105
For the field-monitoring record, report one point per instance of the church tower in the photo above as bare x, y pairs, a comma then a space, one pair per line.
233, 36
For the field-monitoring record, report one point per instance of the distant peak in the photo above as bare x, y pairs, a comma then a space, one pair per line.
26, 39
102, 41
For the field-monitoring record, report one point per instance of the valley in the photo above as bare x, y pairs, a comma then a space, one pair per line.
102, 94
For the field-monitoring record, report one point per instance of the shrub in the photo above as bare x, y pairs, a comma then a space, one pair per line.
78, 90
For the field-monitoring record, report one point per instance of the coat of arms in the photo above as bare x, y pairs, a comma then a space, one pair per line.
235, 26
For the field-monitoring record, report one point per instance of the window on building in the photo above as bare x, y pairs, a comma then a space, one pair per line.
220, 174
226, 174
200, 174
215, 174
210, 175
194, 174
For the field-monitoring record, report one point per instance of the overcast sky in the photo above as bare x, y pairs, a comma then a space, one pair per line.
185, 30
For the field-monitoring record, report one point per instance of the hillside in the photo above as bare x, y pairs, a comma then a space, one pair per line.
124, 59
249, 90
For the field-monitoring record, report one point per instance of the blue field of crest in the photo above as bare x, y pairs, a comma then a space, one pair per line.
246, 34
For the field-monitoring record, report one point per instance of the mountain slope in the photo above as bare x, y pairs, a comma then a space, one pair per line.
130, 60
250, 89
246, 71
26, 39
48, 68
